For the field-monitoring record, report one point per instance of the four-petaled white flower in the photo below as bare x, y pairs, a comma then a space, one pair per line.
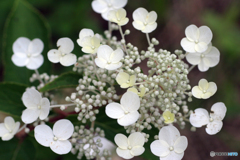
88, 41
204, 89
104, 6
63, 53
125, 80
108, 58
28, 53
197, 39
171, 145
9, 128
200, 117
205, 60
36, 106
118, 16
141, 93
144, 21
131, 146
126, 113
56, 139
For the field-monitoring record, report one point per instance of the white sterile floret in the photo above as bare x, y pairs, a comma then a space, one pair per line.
200, 117
126, 113
131, 146
104, 6
125, 80
204, 89
88, 41
63, 53
144, 21
108, 58
118, 16
56, 139
171, 145
9, 128
141, 93
197, 39
205, 60
28, 53
36, 106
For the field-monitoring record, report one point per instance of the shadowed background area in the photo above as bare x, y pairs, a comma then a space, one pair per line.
67, 18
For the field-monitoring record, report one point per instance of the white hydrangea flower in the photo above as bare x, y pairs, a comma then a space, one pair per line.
131, 146
88, 41
144, 21
108, 58
56, 139
36, 106
63, 53
118, 16
9, 128
204, 90
171, 145
104, 6
200, 117
126, 113
197, 39
125, 80
28, 53
205, 60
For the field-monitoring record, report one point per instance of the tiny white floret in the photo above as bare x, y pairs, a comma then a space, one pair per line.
204, 89
125, 80
28, 53
126, 112
63, 53
131, 146
56, 139
37, 107
118, 16
9, 128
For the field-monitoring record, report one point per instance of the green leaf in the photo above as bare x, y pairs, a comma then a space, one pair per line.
15, 150
23, 21
10, 98
65, 80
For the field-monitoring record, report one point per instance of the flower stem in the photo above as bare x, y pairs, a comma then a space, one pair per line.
38, 76
191, 68
124, 44
148, 39
59, 105
95, 68
20, 129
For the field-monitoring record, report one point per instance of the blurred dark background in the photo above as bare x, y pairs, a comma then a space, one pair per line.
67, 18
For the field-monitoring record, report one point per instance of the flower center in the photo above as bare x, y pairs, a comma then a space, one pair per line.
55, 138
169, 118
128, 82
211, 119
39, 107
204, 91
145, 23
109, 62
126, 112
118, 19
196, 41
93, 47
28, 55
129, 147
10, 131
171, 148
202, 55
109, 5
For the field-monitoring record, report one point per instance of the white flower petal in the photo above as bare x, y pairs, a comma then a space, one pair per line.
169, 134
65, 45
124, 153
201, 47
149, 28
137, 151
218, 111
197, 92
114, 110
100, 62
136, 139
3, 130
7, 136
54, 55
44, 135
152, 17
105, 15
31, 98
212, 88
138, 25
212, 58
99, 6
35, 62
61, 147
113, 66
45, 108
188, 46
35, 47
205, 34
193, 58
173, 156
140, 14
63, 129
130, 101
180, 144
68, 59
9, 123
104, 52
30, 115
121, 141
160, 148
21, 45
214, 127
116, 56
202, 66
122, 77
85, 32
20, 61
129, 118
203, 84
199, 117
119, 4
192, 33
